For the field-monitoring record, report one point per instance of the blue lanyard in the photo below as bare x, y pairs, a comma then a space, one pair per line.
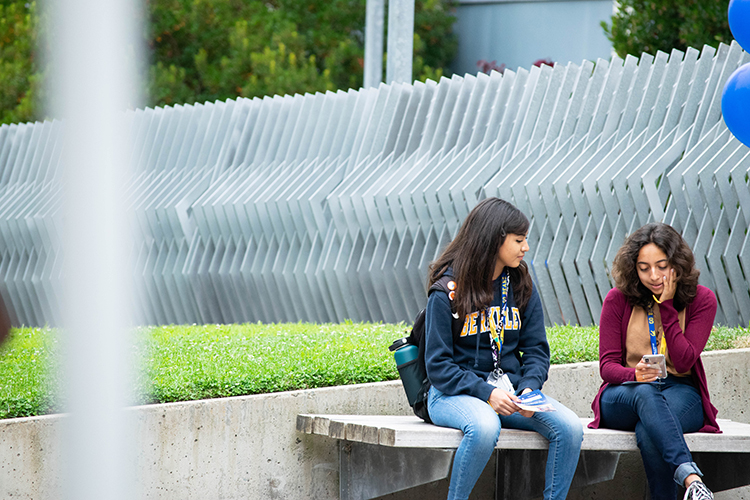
497, 340
652, 331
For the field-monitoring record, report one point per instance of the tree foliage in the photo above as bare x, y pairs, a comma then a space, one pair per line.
20, 75
204, 50
650, 25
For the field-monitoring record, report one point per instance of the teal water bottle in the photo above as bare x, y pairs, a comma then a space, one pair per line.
405, 354
407, 363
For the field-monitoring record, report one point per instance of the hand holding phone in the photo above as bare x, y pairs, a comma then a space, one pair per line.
656, 361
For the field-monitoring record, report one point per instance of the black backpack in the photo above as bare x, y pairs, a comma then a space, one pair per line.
414, 373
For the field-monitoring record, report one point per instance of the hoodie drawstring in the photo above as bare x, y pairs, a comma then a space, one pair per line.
476, 356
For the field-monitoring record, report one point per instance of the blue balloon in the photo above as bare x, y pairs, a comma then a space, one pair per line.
735, 104
739, 22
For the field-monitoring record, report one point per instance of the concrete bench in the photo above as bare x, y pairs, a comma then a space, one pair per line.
384, 454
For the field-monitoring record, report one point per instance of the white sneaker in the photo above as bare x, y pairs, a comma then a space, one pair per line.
698, 491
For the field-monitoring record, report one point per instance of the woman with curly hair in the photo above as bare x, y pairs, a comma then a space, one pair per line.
657, 307
498, 352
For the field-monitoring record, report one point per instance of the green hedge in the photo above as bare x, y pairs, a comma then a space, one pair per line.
207, 50
181, 363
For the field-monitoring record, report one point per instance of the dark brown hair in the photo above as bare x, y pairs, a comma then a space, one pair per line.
680, 258
473, 252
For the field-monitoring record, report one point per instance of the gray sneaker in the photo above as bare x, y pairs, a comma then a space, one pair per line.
698, 491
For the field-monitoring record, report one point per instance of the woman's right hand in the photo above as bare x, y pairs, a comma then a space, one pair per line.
503, 402
645, 372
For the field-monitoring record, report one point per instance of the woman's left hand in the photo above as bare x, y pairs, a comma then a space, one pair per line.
670, 286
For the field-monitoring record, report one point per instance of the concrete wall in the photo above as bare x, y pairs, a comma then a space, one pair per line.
247, 447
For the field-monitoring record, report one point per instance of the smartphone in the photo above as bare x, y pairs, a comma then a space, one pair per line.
658, 361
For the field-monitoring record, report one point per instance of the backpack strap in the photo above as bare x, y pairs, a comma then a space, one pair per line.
444, 284
448, 285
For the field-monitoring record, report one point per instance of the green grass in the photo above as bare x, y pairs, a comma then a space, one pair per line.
27, 369
573, 344
181, 363
229, 360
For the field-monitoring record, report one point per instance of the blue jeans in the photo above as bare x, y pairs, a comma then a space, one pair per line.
481, 427
659, 412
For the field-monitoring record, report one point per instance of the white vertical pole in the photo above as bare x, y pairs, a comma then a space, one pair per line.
400, 41
374, 19
94, 59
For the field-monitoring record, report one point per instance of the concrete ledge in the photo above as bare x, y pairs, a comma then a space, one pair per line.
412, 432
248, 448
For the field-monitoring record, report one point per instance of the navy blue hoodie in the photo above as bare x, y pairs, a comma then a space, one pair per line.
463, 367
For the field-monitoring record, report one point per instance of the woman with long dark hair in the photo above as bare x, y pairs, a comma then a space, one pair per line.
657, 308
501, 351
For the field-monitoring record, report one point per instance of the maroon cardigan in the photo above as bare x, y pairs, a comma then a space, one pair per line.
684, 349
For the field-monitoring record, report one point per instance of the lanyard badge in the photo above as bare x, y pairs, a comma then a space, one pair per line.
497, 340
656, 358
497, 377
655, 347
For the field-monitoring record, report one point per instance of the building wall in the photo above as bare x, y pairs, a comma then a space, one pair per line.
517, 33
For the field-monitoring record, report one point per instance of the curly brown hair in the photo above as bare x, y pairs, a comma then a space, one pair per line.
680, 258
473, 252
